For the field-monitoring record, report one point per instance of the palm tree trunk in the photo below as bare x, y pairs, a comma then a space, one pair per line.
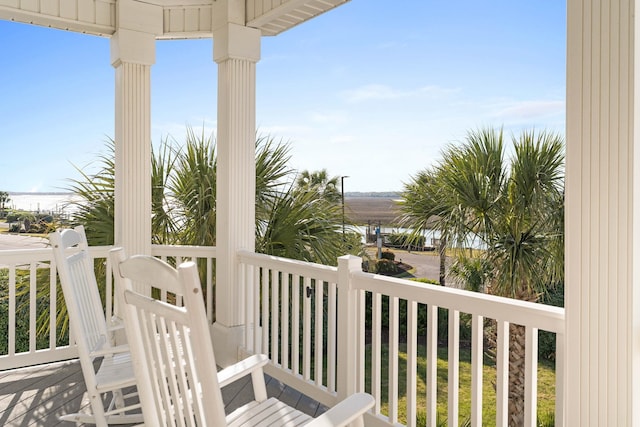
517, 355
443, 259
517, 335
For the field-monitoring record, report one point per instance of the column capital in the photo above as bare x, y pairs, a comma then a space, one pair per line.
133, 47
137, 25
233, 41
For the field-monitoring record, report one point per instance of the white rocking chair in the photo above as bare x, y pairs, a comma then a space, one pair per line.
175, 365
89, 328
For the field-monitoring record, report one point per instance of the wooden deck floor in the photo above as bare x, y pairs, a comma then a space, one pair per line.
38, 395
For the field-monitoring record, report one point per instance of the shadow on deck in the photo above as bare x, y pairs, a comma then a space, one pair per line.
38, 395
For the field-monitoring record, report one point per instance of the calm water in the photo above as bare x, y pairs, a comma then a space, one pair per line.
56, 202
43, 202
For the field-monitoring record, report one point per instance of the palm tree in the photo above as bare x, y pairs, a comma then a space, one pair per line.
289, 221
184, 200
95, 206
301, 224
514, 208
4, 199
321, 183
421, 208
192, 187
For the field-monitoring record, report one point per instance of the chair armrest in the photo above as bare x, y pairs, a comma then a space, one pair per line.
242, 368
108, 351
115, 324
345, 412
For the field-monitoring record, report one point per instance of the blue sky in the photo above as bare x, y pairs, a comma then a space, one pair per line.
373, 89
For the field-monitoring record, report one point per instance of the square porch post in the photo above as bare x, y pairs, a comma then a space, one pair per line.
602, 215
236, 51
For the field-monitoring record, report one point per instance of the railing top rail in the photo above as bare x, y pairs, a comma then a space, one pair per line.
177, 250
22, 256
25, 256
302, 268
524, 313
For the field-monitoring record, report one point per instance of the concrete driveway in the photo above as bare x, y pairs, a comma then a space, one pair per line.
21, 241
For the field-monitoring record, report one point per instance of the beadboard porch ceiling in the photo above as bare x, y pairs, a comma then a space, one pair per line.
181, 18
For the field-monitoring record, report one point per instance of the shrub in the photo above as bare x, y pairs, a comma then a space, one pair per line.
385, 266
547, 340
13, 217
388, 255
404, 239
425, 280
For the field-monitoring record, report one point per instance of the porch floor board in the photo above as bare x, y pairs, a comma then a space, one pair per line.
38, 395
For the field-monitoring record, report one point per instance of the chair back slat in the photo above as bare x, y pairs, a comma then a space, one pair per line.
80, 289
172, 345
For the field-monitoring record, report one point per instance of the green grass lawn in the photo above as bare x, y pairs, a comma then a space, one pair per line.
546, 385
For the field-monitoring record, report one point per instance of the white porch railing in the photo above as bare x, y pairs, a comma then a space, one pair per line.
321, 327
29, 290
288, 302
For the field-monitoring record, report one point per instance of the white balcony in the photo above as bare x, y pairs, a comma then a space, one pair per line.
321, 326
602, 233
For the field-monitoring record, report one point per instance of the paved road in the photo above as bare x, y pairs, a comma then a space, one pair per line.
426, 264
20, 241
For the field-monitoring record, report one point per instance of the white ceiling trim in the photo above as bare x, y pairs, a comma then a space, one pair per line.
84, 16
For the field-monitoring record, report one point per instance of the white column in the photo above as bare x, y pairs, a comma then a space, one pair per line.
132, 54
602, 216
236, 51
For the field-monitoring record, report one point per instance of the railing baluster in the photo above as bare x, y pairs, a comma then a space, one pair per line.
393, 359
412, 363
331, 337
33, 288
306, 330
275, 300
560, 386
209, 303
477, 364
453, 367
531, 378
432, 364
109, 306
257, 329
53, 309
502, 374
12, 310
284, 312
360, 331
249, 323
376, 349
265, 310
318, 318
295, 324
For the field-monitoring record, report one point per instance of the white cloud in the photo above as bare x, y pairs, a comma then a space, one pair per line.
333, 117
384, 92
342, 139
531, 109
282, 130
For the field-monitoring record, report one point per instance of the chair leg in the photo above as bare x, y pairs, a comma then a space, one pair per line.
98, 410
118, 399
